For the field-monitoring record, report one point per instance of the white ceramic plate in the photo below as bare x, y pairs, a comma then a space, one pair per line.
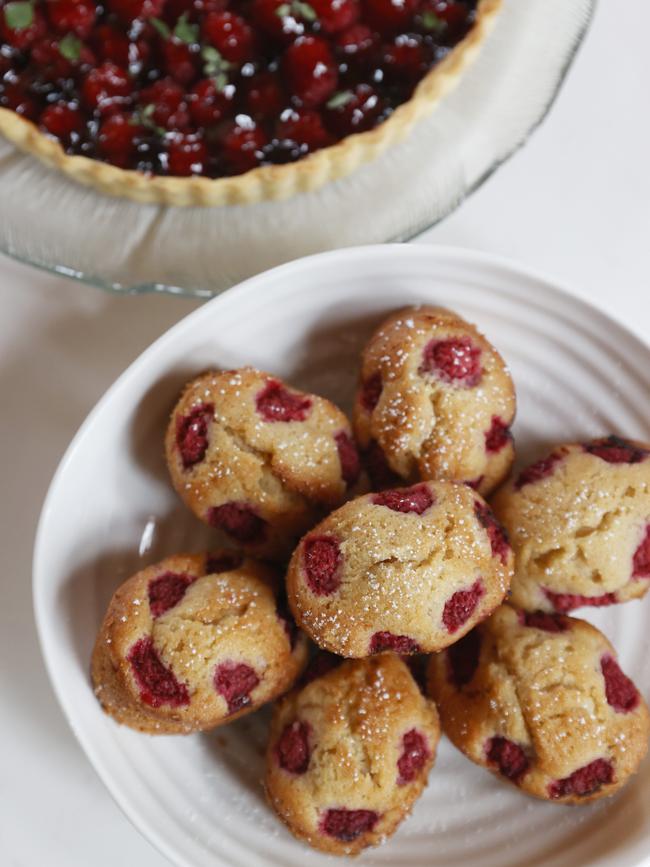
110, 510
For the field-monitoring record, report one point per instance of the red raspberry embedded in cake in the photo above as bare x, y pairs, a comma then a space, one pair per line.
157, 683
187, 154
565, 602
292, 749
460, 607
621, 693
215, 563
129, 10
641, 559
264, 97
537, 471
463, 658
62, 121
382, 641
355, 110
276, 403
335, 15
230, 35
304, 126
180, 61
496, 533
347, 825
584, 781
72, 16
167, 590
498, 436
321, 561
239, 521
116, 138
389, 16
456, 361
106, 88
22, 37
615, 450
207, 104
543, 620
310, 70
192, 434
413, 758
242, 144
509, 757
235, 681
348, 456
170, 109
370, 392
416, 499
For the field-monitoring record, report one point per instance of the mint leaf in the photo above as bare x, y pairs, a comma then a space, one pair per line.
20, 15
430, 21
215, 65
304, 10
283, 10
220, 81
185, 31
70, 48
144, 117
340, 99
161, 27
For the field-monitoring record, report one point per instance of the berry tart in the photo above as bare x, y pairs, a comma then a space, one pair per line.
213, 102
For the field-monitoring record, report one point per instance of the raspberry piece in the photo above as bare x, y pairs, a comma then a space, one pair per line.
234, 681
116, 138
509, 757
417, 498
455, 360
267, 15
357, 111
16, 98
347, 825
403, 60
584, 781
543, 620
188, 155
129, 10
72, 16
355, 44
180, 61
348, 456
371, 390
537, 471
106, 88
379, 471
222, 563
242, 144
192, 434
292, 750
416, 752
388, 16
460, 607
321, 562
62, 121
277, 403
641, 559
111, 44
304, 126
621, 693
167, 590
157, 683
496, 533
230, 35
22, 37
381, 641
264, 98
565, 602
239, 521
463, 658
615, 450
335, 15
310, 70
498, 436
169, 105
207, 104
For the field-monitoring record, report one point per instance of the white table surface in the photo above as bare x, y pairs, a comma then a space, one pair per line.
574, 203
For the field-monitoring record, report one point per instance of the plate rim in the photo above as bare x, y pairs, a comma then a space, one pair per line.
476, 259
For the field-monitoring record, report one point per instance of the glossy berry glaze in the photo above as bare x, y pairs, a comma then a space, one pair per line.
216, 87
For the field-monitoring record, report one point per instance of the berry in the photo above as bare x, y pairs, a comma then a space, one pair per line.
335, 15
192, 434
615, 450
348, 456
116, 139
371, 392
389, 16
281, 27
111, 44
207, 104
356, 43
347, 825
303, 126
170, 109
292, 749
546, 622
276, 403
565, 602
242, 144
310, 70
461, 606
641, 559
455, 361
537, 471
222, 563
157, 683
180, 61
404, 59
62, 120
621, 693
239, 521
456, 17
414, 757
382, 641
264, 97
166, 591
416, 499
498, 436
230, 35
584, 781
496, 533
106, 88
129, 10
356, 111
463, 658
22, 37
509, 757
187, 155
235, 681
72, 16
321, 562
14, 96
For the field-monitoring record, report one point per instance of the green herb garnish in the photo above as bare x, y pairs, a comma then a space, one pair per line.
161, 27
19, 15
185, 31
430, 21
70, 47
297, 9
144, 117
215, 66
343, 97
